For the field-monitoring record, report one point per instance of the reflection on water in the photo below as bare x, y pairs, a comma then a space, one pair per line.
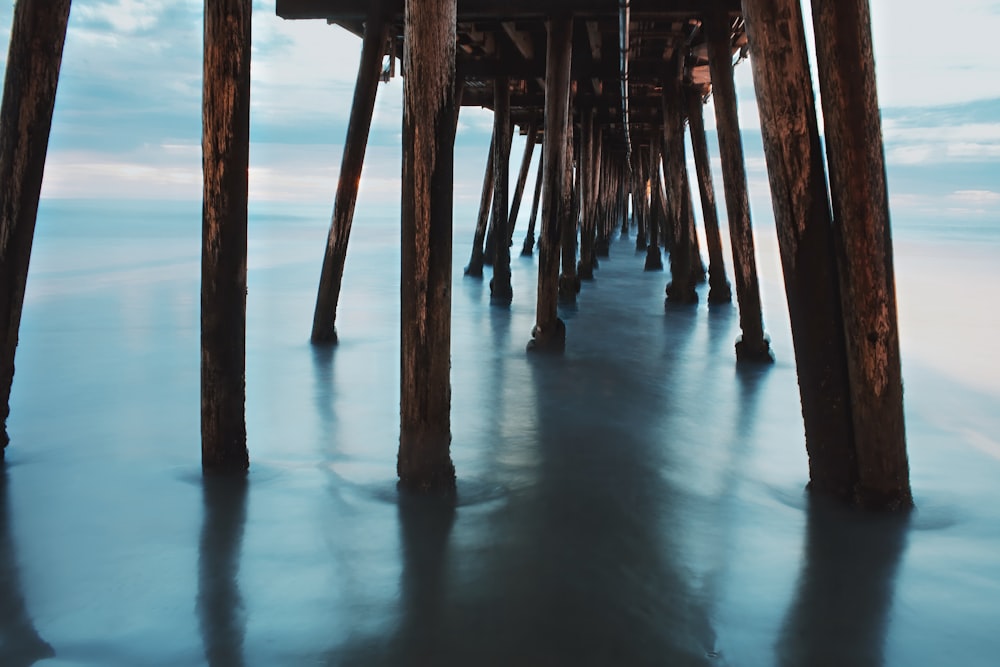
20, 645
220, 605
638, 500
843, 601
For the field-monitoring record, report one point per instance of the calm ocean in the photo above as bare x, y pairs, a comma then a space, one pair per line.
636, 501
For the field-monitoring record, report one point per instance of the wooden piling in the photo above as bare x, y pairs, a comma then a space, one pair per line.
528, 247
569, 281
475, 265
424, 461
585, 268
801, 206
863, 243
654, 207
681, 289
501, 291
324, 328
753, 345
719, 290
522, 178
549, 332
225, 161
34, 58
640, 199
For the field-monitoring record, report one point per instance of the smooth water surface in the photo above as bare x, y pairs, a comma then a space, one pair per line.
637, 501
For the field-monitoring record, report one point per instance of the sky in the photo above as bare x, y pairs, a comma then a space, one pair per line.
127, 122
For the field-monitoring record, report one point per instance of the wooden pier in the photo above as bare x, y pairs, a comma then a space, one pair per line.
606, 89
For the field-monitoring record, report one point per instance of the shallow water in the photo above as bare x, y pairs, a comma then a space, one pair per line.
637, 501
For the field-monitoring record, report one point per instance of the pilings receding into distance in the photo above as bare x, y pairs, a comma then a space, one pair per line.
602, 137
29, 95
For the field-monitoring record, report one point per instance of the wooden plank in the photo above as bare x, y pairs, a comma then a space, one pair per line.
225, 162
33, 62
467, 10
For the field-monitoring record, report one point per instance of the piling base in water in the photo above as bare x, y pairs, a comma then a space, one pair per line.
548, 341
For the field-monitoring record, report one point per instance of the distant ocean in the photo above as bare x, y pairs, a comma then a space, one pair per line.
637, 501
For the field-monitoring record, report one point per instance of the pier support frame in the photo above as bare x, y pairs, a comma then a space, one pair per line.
783, 84
753, 345
863, 243
655, 205
324, 328
719, 290
549, 332
225, 164
29, 94
424, 461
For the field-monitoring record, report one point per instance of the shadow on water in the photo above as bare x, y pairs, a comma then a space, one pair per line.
220, 604
323, 392
843, 603
20, 644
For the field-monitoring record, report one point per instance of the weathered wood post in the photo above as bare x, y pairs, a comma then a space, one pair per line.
424, 462
475, 265
569, 281
753, 345
585, 268
681, 289
719, 290
640, 198
522, 178
29, 94
369, 73
549, 332
501, 292
528, 247
654, 207
225, 161
801, 206
863, 242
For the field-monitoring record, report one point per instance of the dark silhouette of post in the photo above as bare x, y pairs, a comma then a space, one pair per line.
549, 332
753, 345
654, 205
585, 268
501, 291
225, 161
719, 290
424, 462
522, 178
569, 281
475, 266
29, 94
801, 206
528, 247
863, 242
369, 73
681, 289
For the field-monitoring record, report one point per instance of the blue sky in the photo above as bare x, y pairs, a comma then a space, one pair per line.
128, 119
